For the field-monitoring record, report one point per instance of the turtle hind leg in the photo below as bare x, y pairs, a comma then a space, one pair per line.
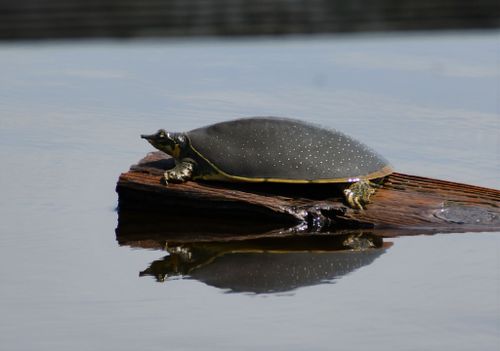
182, 172
358, 194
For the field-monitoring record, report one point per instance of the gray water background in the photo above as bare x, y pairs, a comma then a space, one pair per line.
70, 119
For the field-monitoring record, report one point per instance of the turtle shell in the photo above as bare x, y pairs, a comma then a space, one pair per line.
285, 150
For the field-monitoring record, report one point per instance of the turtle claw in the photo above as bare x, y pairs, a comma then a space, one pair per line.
359, 193
164, 180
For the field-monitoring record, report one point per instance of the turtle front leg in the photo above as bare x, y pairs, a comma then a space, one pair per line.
359, 193
182, 172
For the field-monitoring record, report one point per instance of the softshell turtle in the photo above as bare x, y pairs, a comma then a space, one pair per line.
271, 149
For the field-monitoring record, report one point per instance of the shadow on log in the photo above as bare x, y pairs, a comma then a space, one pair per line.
405, 205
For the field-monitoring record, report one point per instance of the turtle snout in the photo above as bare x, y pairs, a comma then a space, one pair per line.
148, 137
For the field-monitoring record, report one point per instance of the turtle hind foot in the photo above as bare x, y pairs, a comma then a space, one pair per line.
181, 173
358, 194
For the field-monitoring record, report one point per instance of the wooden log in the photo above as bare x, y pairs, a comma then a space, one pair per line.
405, 205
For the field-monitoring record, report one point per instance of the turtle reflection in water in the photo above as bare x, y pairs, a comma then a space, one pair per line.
271, 149
268, 265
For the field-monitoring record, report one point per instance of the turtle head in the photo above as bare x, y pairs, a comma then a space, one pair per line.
170, 143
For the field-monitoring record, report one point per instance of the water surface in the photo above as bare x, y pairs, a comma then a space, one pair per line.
70, 119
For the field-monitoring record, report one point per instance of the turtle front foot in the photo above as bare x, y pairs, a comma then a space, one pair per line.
359, 193
181, 173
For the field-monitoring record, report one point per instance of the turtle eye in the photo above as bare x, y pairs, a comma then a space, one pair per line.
162, 134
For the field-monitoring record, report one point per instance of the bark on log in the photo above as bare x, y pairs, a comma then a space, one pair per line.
405, 205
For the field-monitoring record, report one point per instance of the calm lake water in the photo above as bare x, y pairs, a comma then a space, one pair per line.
70, 119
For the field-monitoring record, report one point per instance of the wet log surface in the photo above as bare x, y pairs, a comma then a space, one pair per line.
405, 205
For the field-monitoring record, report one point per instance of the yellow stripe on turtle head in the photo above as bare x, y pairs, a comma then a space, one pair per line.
176, 152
